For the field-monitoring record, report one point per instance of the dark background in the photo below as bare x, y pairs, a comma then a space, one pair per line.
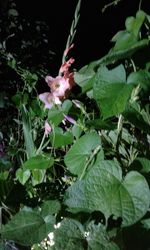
94, 30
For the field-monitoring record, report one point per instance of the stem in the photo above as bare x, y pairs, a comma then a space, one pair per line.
115, 2
119, 126
72, 29
140, 3
40, 147
0, 218
90, 159
133, 64
119, 130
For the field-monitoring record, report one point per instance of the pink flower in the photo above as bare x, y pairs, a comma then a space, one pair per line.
48, 128
58, 85
49, 99
66, 65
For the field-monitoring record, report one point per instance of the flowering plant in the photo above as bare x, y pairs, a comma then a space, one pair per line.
59, 85
79, 175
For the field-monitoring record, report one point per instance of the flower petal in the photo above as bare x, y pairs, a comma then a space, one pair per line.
49, 99
48, 128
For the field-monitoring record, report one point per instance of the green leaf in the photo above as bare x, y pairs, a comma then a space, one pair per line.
39, 162
78, 155
27, 228
30, 79
111, 91
126, 40
37, 176
142, 78
50, 207
98, 238
76, 131
103, 189
36, 108
59, 138
84, 78
134, 24
69, 236
129, 37
66, 106
23, 175
55, 116
20, 99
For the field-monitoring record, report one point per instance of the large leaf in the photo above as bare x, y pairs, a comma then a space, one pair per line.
69, 236
78, 155
27, 228
111, 91
104, 189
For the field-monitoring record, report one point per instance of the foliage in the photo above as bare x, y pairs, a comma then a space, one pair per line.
80, 168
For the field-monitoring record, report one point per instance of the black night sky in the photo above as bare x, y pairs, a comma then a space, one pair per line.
94, 30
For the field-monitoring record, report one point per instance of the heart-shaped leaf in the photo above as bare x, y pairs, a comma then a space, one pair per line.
104, 189
23, 175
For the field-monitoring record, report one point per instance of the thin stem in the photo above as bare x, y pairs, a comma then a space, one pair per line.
119, 134
115, 2
0, 218
140, 3
133, 65
41, 144
72, 29
89, 161
119, 126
